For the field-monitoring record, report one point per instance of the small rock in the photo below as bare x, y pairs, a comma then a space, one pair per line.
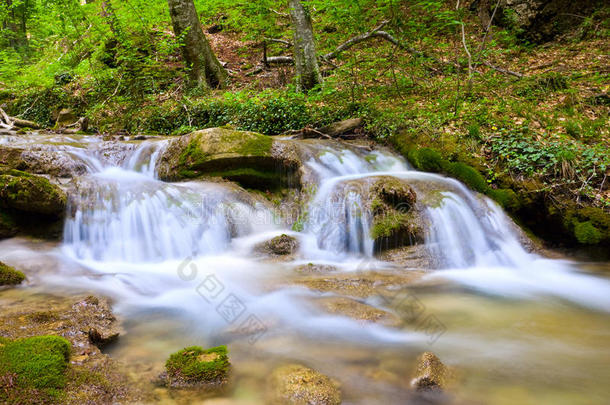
431, 373
197, 367
298, 385
279, 246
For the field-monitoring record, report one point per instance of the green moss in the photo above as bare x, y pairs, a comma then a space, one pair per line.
38, 363
251, 178
10, 276
586, 233
197, 365
426, 159
386, 226
598, 218
507, 198
469, 176
26, 192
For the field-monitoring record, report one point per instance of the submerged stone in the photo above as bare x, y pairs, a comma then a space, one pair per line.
197, 367
298, 385
10, 276
251, 159
359, 311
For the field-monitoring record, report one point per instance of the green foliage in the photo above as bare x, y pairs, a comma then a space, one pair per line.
38, 362
10, 276
194, 364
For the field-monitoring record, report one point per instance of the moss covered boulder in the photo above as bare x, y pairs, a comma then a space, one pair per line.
298, 385
197, 367
25, 192
10, 276
251, 159
396, 220
33, 370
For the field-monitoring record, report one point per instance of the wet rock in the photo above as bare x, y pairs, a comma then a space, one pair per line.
362, 284
299, 385
396, 220
410, 257
311, 268
10, 276
431, 373
25, 192
39, 161
251, 159
197, 367
279, 246
359, 311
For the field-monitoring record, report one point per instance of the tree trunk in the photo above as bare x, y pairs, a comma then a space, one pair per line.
306, 63
204, 68
16, 24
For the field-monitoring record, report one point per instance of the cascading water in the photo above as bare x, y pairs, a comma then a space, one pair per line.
153, 246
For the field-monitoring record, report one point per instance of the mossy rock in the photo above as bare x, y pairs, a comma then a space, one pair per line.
10, 276
254, 160
25, 192
279, 246
37, 365
197, 367
395, 221
298, 385
393, 192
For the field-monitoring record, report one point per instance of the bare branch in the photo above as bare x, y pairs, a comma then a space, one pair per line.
279, 41
353, 41
286, 15
501, 70
280, 60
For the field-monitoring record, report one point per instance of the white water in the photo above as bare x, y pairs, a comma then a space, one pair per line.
158, 247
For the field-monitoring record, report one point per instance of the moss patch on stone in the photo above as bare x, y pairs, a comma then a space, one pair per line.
30, 193
197, 366
35, 365
249, 158
10, 276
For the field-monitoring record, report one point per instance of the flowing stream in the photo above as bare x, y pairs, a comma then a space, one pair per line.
180, 262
